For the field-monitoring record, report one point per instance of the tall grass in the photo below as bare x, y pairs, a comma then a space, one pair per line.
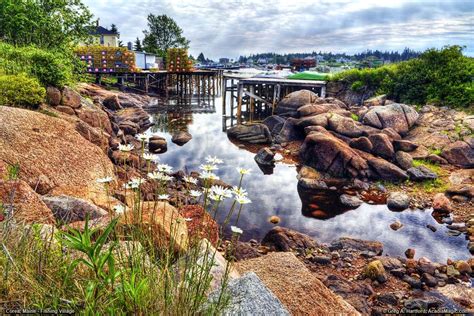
123, 265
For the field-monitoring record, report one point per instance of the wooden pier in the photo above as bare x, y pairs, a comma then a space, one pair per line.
199, 82
253, 99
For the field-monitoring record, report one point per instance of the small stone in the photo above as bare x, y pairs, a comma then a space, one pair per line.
350, 201
410, 253
431, 227
451, 271
323, 260
396, 225
421, 173
274, 219
413, 282
388, 298
180, 138
399, 273
398, 201
441, 203
463, 267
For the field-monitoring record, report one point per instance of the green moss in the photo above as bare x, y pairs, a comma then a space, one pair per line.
355, 117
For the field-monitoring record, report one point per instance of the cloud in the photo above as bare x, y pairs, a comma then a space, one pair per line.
235, 27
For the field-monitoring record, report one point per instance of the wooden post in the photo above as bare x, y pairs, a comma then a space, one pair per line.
224, 95
276, 96
240, 90
252, 102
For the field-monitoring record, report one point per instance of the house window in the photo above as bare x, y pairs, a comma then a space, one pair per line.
102, 40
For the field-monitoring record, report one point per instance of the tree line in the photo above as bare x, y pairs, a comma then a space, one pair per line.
392, 56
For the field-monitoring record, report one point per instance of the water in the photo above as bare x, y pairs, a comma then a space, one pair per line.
277, 194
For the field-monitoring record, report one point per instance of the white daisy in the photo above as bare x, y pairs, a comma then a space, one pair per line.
243, 171
216, 197
236, 230
143, 137
164, 168
148, 156
239, 191
188, 219
163, 197
214, 160
208, 167
119, 209
189, 179
160, 176
126, 148
105, 180
243, 200
195, 193
208, 176
220, 190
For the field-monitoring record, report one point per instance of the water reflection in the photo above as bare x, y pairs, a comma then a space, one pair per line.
278, 194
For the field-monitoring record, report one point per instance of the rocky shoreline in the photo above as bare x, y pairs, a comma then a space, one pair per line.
380, 152
357, 271
92, 123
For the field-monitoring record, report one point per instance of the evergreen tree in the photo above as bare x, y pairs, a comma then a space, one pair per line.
201, 58
113, 28
138, 45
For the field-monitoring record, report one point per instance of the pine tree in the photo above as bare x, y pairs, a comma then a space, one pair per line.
138, 45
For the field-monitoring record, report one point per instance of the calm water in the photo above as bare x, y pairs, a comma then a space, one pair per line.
277, 194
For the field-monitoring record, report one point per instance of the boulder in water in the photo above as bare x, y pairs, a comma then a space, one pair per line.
180, 138
253, 134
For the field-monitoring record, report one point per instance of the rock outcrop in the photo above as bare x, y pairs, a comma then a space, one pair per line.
400, 117
18, 197
290, 103
50, 150
295, 286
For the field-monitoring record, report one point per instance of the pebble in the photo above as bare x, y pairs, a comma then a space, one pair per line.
414, 283
431, 227
410, 253
323, 260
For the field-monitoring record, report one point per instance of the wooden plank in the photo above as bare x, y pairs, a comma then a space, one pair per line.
252, 95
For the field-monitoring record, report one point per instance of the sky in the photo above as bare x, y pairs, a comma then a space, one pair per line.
230, 28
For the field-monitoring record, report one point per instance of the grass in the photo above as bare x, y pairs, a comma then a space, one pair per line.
124, 267
355, 117
436, 185
48, 113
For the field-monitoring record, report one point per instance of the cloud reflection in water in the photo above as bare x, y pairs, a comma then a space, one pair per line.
277, 194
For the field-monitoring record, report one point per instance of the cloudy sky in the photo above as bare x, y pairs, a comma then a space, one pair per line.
229, 28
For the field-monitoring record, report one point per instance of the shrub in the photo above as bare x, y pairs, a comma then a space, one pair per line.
20, 90
51, 68
443, 77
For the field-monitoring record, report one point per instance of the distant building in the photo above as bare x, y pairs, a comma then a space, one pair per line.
224, 60
104, 37
262, 61
303, 63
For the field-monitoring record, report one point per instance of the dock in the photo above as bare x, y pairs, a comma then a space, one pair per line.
198, 82
253, 99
